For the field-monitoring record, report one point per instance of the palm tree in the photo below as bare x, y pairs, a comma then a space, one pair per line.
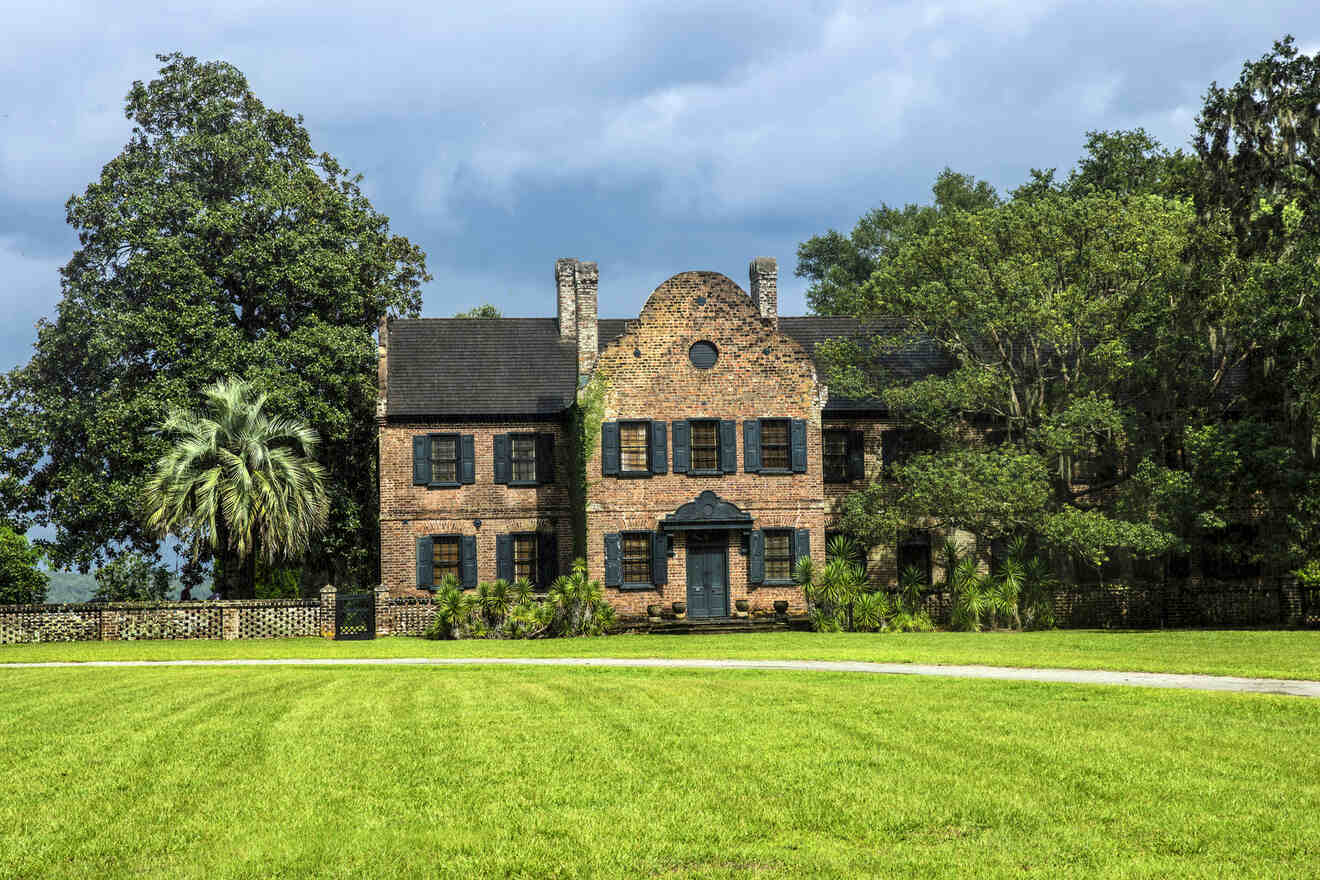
239, 481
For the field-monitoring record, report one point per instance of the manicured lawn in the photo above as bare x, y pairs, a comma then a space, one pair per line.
478, 772
1268, 654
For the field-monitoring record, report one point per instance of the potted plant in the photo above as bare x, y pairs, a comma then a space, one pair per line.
680, 608
742, 606
781, 607
653, 610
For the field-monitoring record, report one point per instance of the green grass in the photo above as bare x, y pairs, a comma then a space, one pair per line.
1267, 654
480, 772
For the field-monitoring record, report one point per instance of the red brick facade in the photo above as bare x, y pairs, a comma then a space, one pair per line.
759, 373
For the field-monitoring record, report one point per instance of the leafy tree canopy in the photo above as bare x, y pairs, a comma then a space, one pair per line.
131, 577
482, 311
21, 581
217, 243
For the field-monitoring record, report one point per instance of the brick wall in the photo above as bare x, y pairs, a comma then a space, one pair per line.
408, 512
760, 373
122, 621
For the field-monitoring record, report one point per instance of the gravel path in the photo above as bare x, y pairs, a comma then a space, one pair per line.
1003, 673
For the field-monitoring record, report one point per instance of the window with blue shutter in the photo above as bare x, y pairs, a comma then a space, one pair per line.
504, 558
756, 557
682, 451
613, 561
705, 443
609, 449
729, 446
468, 463
503, 466
799, 446
545, 458
421, 459
425, 578
445, 457
468, 557
547, 555
856, 455
659, 448
752, 446
659, 558
801, 546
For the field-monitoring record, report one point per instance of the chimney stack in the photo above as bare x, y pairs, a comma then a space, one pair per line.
587, 279
763, 274
382, 366
575, 285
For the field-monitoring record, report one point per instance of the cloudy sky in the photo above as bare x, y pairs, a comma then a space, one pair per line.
652, 137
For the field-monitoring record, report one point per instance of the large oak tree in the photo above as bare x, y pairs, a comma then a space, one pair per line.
218, 243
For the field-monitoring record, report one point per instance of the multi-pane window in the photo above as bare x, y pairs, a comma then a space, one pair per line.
522, 453
444, 458
779, 555
445, 558
634, 446
705, 446
774, 444
524, 557
836, 456
636, 557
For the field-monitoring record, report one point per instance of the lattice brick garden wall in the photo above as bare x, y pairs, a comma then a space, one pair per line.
225, 619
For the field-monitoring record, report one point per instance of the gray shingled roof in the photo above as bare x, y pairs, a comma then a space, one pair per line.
520, 366
480, 366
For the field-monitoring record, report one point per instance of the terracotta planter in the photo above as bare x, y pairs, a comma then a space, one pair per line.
680, 608
742, 604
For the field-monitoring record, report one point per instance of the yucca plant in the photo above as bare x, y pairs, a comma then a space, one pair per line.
237, 480
870, 610
831, 590
453, 612
579, 604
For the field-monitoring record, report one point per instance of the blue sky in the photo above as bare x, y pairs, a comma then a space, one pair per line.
650, 137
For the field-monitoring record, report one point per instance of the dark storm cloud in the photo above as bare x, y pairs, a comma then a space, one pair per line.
652, 137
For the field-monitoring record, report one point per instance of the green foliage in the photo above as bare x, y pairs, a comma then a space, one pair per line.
217, 243
584, 429
482, 311
841, 600
131, 577
238, 482
22, 582
574, 606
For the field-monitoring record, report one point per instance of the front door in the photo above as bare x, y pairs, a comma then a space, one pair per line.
707, 576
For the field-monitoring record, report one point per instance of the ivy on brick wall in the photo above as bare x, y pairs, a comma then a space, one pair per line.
585, 435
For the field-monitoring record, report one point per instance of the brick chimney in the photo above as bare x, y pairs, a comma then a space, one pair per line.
575, 286
763, 275
566, 287
587, 277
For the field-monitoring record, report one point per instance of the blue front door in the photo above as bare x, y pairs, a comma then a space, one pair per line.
707, 577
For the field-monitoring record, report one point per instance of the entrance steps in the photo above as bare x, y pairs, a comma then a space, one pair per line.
720, 625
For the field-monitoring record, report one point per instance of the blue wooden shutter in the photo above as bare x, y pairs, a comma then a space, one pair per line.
660, 559
752, 446
503, 467
547, 558
756, 557
798, 446
425, 575
467, 558
504, 557
421, 459
467, 468
613, 560
609, 449
729, 446
659, 449
856, 455
682, 447
545, 458
801, 546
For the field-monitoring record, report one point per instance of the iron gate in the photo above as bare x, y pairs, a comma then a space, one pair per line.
355, 616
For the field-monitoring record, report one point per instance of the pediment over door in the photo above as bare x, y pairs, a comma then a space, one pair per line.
707, 511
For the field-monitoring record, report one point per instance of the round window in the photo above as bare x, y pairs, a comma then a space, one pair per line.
703, 355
